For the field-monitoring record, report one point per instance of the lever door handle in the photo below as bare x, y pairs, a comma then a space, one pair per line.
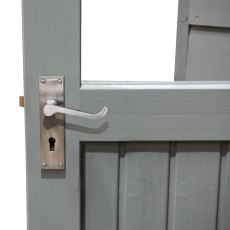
52, 107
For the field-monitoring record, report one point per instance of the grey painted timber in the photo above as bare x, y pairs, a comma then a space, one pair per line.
208, 54
51, 45
202, 40
194, 184
224, 199
213, 13
167, 113
144, 171
155, 185
100, 184
182, 40
123, 172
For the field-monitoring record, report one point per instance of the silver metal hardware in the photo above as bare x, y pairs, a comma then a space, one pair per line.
52, 121
52, 108
42, 81
52, 130
44, 165
59, 81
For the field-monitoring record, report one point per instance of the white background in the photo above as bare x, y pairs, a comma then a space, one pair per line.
12, 141
128, 40
139, 45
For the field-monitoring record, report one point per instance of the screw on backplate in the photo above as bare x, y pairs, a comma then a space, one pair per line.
42, 81
44, 165
60, 165
59, 81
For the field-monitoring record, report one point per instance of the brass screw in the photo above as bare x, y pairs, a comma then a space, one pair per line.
60, 165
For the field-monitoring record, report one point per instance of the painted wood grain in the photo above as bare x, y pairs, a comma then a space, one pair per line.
144, 186
209, 13
194, 186
153, 115
171, 99
153, 128
51, 47
208, 54
224, 199
100, 186
182, 40
51, 40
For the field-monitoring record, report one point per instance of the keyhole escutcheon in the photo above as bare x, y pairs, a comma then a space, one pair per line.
52, 141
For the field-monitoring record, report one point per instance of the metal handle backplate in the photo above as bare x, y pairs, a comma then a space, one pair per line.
52, 128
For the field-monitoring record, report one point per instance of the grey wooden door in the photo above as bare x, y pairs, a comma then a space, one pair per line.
159, 160
203, 37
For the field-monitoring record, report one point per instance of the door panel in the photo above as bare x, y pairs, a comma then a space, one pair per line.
194, 184
224, 201
144, 186
100, 172
152, 185
208, 54
210, 13
203, 40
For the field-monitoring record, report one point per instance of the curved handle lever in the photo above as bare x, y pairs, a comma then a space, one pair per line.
51, 108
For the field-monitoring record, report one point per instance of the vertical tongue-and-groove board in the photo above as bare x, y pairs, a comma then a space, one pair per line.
194, 185
144, 169
155, 186
99, 188
224, 201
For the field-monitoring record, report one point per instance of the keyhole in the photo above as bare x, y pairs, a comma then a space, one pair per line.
52, 141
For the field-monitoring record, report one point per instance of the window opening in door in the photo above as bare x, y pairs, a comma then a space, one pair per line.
128, 40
